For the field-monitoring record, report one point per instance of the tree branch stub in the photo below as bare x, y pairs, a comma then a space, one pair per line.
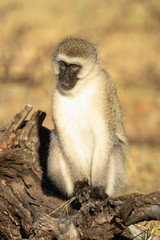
28, 201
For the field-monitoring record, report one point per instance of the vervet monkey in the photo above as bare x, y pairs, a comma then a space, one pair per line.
88, 143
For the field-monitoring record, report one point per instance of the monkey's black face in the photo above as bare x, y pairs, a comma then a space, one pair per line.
68, 75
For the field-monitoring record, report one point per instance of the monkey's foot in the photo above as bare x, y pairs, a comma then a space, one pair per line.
99, 193
82, 191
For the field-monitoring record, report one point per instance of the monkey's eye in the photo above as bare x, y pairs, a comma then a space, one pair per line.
75, 67
62, 65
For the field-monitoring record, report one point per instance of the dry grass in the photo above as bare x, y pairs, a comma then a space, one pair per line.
127, 35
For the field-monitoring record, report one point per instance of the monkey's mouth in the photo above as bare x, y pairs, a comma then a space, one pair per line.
66, 85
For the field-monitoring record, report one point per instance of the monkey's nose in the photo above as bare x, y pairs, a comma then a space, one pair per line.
65, 85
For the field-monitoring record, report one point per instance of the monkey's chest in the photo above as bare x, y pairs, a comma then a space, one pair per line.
77, 126
81, 127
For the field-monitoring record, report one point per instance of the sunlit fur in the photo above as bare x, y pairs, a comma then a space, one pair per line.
89, 140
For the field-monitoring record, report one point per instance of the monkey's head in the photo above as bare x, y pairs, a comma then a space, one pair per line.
73, 61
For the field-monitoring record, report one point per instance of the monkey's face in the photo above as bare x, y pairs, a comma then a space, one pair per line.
68, 75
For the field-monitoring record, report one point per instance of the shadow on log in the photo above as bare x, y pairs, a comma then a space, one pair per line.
32, 208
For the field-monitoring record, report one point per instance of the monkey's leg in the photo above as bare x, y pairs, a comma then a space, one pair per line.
108, 172
117, 176
98, 175
67, 172
58, 170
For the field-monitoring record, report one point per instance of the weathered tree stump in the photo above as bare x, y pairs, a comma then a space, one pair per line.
32, 208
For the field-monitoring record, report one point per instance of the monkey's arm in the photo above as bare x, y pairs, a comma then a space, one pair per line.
116, 111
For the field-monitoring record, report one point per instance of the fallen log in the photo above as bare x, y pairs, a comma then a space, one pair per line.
32, 208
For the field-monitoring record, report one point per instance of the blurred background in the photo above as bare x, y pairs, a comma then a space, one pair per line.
127, 35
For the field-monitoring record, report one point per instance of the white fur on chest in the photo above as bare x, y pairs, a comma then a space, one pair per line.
80, 125
74, 111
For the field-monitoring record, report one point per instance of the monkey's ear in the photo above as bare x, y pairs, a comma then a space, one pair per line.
55, 67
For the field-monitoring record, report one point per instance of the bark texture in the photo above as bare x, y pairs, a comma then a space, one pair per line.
32, 208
